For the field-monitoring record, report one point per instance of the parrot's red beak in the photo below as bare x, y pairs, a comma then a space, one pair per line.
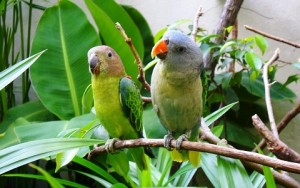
160, 49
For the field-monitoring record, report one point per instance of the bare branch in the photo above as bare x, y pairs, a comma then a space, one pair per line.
198, 14
141, 76
275, 145
282, 124
272, 36
210, 148
147, 99
267, 92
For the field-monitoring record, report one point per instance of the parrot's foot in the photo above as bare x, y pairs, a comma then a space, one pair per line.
109, 145
168, 138
179, 141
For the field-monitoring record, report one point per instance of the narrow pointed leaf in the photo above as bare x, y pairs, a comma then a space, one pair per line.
217, 114
11, 73
51, 180
18, 155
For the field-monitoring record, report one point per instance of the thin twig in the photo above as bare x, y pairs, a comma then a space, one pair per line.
267, 92
282, 179
272, 36
206, 147
282, 124
275, 145
198, 14
141, 76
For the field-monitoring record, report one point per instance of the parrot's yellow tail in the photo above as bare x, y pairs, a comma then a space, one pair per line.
192, 156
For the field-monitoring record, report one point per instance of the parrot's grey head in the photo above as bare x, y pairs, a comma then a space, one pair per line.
178, 51
104, 59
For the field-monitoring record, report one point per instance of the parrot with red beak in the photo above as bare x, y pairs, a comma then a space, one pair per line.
176, 91
117, 101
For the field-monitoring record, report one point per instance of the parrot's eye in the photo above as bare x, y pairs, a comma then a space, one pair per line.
109, 54
180, 49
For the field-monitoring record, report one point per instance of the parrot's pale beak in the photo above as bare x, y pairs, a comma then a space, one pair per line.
160, 49
94, 65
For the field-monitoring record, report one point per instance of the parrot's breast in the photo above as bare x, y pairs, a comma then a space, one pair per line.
178, 106
108, 107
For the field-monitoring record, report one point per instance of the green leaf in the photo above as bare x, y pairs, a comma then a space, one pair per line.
87, 100
291, 79
257, 179
30, 111
96, 178
144, 29
119, 162
12, 72
262, 43
232, 173
61, 75
256, 87
253, 60
23, 131
210, 168
185, 168
217, 114
51, 180
185, 174
270, 182
20, 154
217, 130
95, 168
226, 45
40, 177
112, 37
150, 64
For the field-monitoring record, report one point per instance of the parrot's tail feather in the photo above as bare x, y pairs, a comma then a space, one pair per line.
179, 156
194, 158
149, 152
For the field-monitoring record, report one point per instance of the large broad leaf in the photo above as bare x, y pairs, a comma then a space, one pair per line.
31, 111
256, 87
23, 131
61, 75
11, 73
110, 34
18, 155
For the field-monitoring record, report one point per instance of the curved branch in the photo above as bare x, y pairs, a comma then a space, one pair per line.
141, 76
210, 148
267, 92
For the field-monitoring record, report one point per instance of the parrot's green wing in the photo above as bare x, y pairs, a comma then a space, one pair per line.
132, 103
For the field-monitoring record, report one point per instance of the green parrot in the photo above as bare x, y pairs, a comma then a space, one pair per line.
117, 100
176, 91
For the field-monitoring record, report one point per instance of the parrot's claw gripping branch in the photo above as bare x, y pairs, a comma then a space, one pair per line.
167, 140
179, 141
110, 145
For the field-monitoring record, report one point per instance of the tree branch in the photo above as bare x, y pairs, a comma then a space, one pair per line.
267, 92
210, 148
141, 76
282, 124
228, 17
275, 145
272, 36
198, 14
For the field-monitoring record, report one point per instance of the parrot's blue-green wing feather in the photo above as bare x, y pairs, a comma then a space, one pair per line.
132, 103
